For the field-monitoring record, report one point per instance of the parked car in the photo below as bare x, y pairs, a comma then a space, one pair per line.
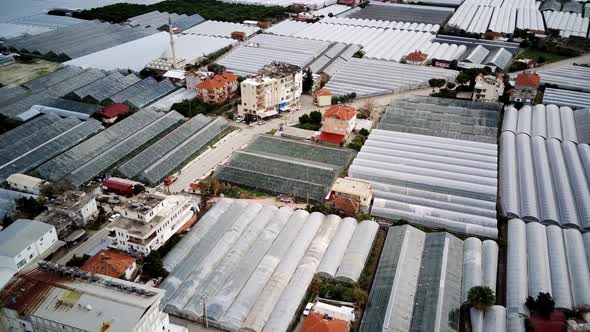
114, 217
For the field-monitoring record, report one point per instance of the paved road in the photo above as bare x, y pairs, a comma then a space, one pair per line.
583, 59
93, 241
205, 164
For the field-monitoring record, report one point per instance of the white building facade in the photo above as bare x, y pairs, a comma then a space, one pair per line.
146, 224
488, 88
22, 242
25, 183
276, 88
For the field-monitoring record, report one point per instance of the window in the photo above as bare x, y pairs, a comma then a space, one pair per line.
21, 263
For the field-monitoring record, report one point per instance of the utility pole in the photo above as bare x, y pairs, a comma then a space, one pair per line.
204, 300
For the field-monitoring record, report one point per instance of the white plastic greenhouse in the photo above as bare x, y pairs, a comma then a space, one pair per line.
255, 262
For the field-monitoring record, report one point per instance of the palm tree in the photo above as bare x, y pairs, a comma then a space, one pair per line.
481, 297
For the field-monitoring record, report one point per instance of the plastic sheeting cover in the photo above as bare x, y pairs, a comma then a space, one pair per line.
358, 251
335, 253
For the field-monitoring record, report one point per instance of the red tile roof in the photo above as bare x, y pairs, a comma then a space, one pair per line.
317, 323
417, 56
340, 112
113, 110
323, 92
109, 263
331, 138
218, 81
528, 80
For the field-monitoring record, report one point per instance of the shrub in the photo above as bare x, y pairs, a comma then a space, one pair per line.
543, 305
481, 297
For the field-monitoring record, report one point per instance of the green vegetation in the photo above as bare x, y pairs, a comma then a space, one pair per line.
100, 220
7, 124
343, 99
77, 261
193, 107
436, 82
209, 9
359, 140
481, 297
340, 291
541, 56
359, 54
29, 208
153, 266
172, 241
307, 81
216, 68
54, 189
543, 305
313, 121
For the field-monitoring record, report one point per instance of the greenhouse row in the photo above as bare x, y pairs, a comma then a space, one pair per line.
264, 49
221, 29
136, 54
402, 13
478, 18
166, 103
413, 269
568, 24
463, 120
40, 140
174, 159
124, 148
431, 181
312, 4
545, 180
480, 268
65, 163
77, 40
44, 152
34, 25
503, 3
561, 97
373, 39
368, 77
256, 262
545, 259
421, 27
100, 90
160, 20
281, 165
568, 76
546, 121
151, 94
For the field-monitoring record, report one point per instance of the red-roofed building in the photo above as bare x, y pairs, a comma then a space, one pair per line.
525, 89
323, 97
111, 263
321, 323
417, 58
338, 123
110, 113
218, 89
528, 80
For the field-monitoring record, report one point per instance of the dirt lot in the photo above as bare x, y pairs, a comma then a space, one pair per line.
18, 73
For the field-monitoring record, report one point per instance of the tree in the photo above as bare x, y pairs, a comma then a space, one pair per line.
77, 261
543, 305
211, 187
304, 119
138, 188
52, 190
364, 132
216, 68
359, 54
307, 83
29, 207
315, 286
541, 59
315, 117
229, 115
481, 297
451, 85
153, 265
436, 82
360, 296
463, 78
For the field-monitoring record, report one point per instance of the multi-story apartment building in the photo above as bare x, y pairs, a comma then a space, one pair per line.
276, 88
21, 243
148, 220
488, 88
218, 89
54, 298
